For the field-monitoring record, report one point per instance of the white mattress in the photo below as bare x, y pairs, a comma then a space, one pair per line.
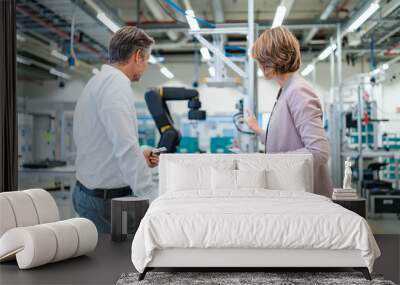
263, 219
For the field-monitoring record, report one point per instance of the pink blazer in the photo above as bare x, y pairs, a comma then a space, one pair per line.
296, 126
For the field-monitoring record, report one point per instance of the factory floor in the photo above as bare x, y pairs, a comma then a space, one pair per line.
388, 224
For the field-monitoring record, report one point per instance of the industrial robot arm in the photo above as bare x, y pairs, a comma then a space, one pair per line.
156, 103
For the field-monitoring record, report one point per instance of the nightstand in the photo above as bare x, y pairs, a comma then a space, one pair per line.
126, 214
357, 206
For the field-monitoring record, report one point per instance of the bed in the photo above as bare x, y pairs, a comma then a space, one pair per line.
247, 211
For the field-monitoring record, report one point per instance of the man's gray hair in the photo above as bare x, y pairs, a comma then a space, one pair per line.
127, 41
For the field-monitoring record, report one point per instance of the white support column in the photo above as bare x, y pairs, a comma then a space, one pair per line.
334, 125
340, 127
250, 101
251, 72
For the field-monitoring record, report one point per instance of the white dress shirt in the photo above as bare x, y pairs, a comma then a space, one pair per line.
106, 135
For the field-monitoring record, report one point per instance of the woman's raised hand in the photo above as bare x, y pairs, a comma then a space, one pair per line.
252, 123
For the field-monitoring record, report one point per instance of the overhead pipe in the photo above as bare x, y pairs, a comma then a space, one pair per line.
325, 14
388, 35
386, 10
40, 50
98, 6
55, 30
165, 26
159, 15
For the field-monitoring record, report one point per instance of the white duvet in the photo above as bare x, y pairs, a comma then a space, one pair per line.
250, 219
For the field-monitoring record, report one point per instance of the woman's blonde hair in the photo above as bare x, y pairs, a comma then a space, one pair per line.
277, 49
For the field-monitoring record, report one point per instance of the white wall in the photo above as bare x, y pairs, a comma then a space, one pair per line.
390, 108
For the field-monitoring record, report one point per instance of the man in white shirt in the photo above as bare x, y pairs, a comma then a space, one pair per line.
109, 160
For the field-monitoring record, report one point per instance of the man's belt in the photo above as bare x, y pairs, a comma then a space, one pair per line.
106, 193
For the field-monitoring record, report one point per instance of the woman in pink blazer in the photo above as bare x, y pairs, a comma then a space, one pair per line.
296, 123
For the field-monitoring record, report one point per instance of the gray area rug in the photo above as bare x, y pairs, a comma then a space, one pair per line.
231, 278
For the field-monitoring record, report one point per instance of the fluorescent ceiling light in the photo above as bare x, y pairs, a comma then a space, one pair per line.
152, 60
93, 5
306, 71
108, 22
21, 38
326, 52
59, 55
156, 59
364, 16
211, 71
385, 66
95, 70
279, 16
166, 72
23, 60
59, 73
260, 73
160, 58
190, 18
380, 69
205, 53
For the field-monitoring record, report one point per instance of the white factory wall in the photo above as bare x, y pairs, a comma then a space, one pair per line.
390, 108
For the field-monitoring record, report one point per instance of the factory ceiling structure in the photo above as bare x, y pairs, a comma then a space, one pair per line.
48, 25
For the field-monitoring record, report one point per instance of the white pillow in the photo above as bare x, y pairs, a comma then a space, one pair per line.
293, 180
282, 174
225, 179
251, 178
186, 176
183, 178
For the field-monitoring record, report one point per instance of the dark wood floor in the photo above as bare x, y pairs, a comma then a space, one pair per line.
110, 260
389, 262
103, 266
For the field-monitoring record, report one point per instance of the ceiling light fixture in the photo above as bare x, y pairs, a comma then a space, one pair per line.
326, 52
166, 72
108, 22
380, 69
211, 71
152, 59
59, 55
59, 73
190, 18
306, 71
205, 54
23, 60
385, 66
21, 38
364, 16
279, 16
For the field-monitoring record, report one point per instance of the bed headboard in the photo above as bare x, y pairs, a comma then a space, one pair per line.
281, 162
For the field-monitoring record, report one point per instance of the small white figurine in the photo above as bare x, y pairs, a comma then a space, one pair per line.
347, 174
